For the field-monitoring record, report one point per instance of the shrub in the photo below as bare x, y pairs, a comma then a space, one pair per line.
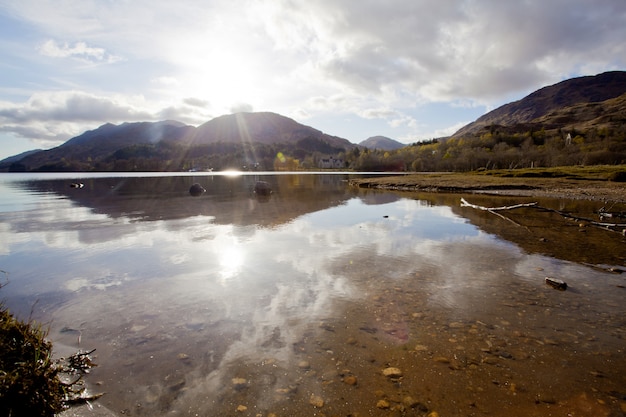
618, 176
29, 382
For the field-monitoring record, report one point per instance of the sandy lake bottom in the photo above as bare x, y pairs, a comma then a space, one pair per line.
320, 300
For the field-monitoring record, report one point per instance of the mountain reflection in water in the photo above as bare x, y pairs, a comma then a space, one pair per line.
231, 304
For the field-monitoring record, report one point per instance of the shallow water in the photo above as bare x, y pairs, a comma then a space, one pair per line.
236, 304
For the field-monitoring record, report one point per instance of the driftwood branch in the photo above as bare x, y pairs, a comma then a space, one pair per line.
583, 219
494, 210
464, 203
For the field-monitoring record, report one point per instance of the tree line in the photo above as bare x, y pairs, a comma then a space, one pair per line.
496, 147
499, 147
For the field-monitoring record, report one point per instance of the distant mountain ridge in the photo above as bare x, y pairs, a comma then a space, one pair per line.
261, 127
239, 129
538, 105
586, 114
382, 142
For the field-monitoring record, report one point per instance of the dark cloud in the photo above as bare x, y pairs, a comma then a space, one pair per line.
479, 50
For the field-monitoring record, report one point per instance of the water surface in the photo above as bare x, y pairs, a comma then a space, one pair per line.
293, 304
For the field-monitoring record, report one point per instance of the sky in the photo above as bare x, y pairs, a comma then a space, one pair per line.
410, 70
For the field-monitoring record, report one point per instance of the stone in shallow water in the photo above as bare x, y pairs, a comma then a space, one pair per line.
196, 190
383, 404
316, 401
392, 372
556, 283
239, 383
350, 380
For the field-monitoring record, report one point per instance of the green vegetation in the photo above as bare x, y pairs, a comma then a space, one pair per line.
527, 145
613, 173
29, 380
499, 147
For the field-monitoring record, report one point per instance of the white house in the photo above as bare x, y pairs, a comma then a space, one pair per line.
330, 162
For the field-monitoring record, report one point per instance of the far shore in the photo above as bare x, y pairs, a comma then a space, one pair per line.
590, 183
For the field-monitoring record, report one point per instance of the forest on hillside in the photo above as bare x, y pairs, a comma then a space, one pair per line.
499, 147
496, 147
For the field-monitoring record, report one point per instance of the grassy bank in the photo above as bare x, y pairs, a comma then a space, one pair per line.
32, 383
29, 380
593, 182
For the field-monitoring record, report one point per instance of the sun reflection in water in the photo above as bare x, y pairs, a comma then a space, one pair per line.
231, 259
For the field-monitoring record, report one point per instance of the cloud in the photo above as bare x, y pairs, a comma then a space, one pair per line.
382, 61
79, 50
241, 107
453, 50
166, 81
196, 102
70, 106
50, 118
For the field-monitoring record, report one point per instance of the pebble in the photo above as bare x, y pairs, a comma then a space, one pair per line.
316, 401
383, 404
410, 402
304, 365
350, 380
242, 408
239, 383
392, 372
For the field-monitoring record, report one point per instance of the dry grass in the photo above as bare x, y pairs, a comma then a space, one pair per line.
594, 182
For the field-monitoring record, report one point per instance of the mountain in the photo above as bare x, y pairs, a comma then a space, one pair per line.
261, 127
16, 158
99, 143
169, 145
382, 142
542, 107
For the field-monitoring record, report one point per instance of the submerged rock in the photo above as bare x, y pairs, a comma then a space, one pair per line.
263, 188
556, 283
196, 190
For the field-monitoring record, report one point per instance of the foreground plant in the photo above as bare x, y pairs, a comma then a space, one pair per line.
30, 380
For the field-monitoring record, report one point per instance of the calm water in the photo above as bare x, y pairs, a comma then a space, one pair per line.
294, 304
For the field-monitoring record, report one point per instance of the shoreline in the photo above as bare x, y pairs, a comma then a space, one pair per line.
570, 187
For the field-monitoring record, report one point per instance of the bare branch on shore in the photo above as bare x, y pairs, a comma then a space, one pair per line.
494, 210
464, 203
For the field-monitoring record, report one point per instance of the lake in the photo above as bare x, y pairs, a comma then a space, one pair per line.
319, 299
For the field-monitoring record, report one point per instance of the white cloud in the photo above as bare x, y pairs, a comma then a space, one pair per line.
312, 59
79, 50
167, 81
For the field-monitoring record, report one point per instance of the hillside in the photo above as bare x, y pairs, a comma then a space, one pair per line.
382, 142
578, 122
100, 143
231, 141
581, 121
543, 106
260, 127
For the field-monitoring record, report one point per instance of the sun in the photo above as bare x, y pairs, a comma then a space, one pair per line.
221, 74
